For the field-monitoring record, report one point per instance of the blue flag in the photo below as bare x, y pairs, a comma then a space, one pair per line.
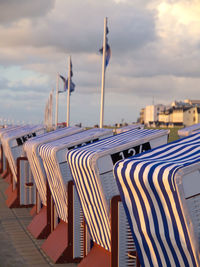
108, 50
65, 81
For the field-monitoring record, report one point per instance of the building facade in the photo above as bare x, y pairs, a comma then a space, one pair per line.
184, 113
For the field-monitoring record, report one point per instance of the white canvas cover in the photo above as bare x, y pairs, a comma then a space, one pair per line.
13, 141
56, 167
160, 190
91, 169
2, 131
32, 147
129, 127
189, 130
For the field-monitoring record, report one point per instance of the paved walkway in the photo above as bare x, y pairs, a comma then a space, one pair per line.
17, 247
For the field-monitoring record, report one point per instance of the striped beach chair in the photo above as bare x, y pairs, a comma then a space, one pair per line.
189, 130
12, 143
38, 226
64, 243
92, 172
7, 174
160, 191
4, 166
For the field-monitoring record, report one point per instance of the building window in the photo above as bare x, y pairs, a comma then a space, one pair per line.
194, 119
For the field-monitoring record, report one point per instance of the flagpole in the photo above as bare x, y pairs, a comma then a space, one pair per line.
103, 75
45, 114
51, 108
68, 92
48, 113
57, 88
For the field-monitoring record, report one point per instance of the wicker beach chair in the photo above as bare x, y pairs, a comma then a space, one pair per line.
12, 143
92, 172
37, 228
58, 245
160, 191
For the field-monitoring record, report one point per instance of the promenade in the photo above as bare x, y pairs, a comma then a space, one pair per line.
17, 247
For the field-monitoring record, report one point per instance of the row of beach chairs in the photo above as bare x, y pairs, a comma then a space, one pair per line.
98, 199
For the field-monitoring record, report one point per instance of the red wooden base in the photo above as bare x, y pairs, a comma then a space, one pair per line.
9, 190
56, 246
13, 200
97, 257
33, 211
39, 227
4, 174
8, 179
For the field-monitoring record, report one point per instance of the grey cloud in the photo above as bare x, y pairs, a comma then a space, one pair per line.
12, 10
129, 29
81, 31
3, 83
150, 61
20, 91
141, 65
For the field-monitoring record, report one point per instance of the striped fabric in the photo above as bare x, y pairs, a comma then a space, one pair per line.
88, 176
7, 129
57, 171
32, 147
189, 130
2, 132
12, 142
149, 187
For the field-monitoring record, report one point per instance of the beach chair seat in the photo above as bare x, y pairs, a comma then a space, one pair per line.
4, 169
186, 131
92, 172
160, 191
12, 142
38, 226
58, 175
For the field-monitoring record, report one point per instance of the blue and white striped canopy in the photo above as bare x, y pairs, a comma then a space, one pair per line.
12, 142
158, 216
84, 164
54, 157
31, 148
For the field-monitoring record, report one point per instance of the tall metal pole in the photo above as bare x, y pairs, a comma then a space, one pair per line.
57, 89
51, 108
68, 92
103, 75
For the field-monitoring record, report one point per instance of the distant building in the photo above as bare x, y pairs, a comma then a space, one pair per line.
141, 119
178, 113
151, 113
192, 102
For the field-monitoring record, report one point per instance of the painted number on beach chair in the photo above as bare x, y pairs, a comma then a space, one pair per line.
83, 144
23, 139
130, 152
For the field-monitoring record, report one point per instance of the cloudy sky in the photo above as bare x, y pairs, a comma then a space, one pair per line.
155, 56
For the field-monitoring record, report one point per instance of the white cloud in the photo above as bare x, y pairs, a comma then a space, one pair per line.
12, 10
